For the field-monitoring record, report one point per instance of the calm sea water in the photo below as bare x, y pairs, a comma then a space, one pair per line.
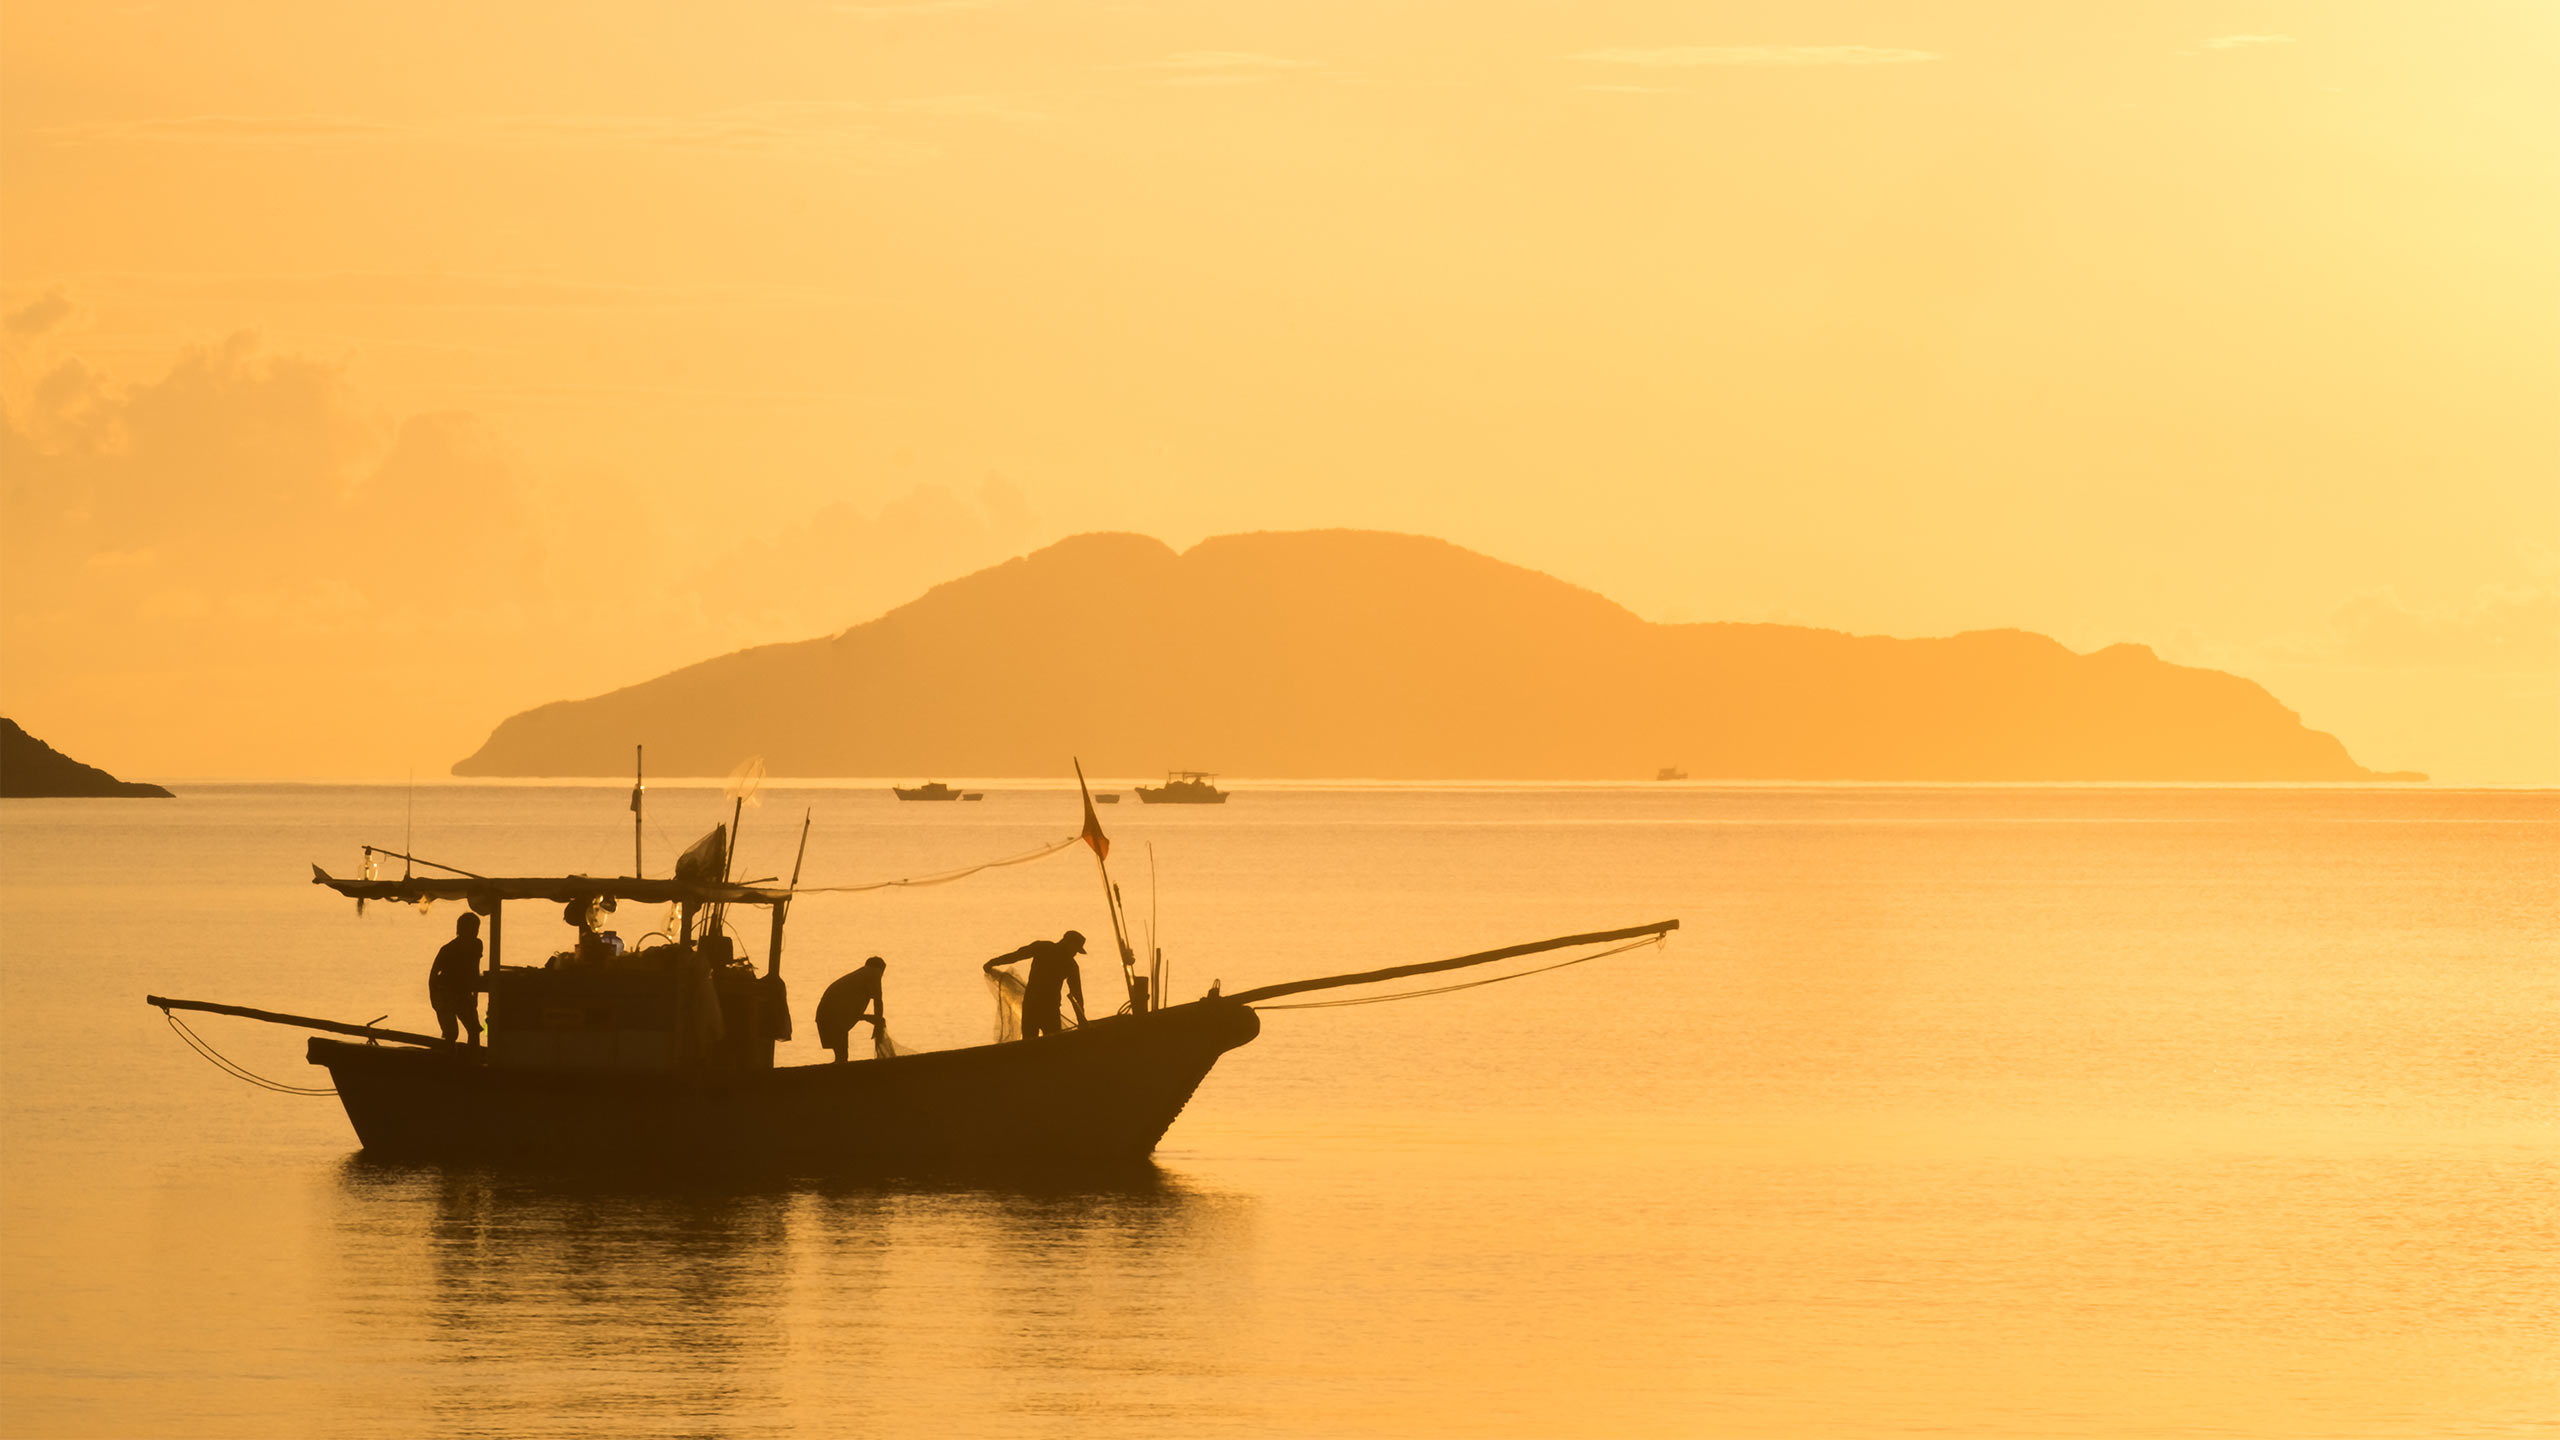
1975, 1112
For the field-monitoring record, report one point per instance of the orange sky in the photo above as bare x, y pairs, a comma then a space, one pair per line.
374, 371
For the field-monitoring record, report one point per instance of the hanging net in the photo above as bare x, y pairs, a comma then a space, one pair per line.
1008, 990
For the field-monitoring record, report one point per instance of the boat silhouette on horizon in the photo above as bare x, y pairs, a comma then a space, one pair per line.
1184, 787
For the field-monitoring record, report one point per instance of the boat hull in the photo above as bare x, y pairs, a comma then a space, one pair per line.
1098, 1097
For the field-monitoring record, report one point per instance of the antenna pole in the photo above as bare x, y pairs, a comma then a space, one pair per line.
804, 848
728, 866
639, 787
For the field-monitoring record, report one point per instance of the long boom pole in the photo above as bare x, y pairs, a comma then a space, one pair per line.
305, 1022
1483, 957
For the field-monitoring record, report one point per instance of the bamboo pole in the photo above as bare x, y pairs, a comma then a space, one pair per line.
274, 1017
1484, 957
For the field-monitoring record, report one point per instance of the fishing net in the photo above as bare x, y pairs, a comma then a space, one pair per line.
1008, 990
884, 1048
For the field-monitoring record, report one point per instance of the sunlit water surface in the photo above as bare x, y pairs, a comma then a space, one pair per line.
1973, 1112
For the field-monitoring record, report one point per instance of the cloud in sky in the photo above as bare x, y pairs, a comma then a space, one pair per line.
1684, 57
866, 130
38, 315
2505, 628
1223, 67
236, 130
414, 288
333, 588
892, 9
2246, 42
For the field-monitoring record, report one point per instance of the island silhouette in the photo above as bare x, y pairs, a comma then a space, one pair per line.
31, 769
1343, 653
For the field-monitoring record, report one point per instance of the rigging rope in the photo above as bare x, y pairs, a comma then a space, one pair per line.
227, 1066
1472, 984
946, 877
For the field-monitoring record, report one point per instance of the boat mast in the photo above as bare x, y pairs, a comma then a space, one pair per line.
638, 789
1138, 1000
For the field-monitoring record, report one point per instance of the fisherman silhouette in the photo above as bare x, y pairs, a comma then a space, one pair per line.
453, 981
850, 1001
1053, 964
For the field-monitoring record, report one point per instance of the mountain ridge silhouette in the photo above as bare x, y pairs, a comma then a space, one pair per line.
31, 770
1343, 653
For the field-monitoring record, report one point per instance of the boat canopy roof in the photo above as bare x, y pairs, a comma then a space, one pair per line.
561, 888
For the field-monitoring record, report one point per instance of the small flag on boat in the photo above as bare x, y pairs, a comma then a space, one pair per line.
1093, 835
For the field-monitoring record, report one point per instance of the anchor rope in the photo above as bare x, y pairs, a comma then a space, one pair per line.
1472, 984
237, 1071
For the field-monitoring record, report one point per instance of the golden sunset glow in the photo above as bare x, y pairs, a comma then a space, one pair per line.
1038, 719
376, 372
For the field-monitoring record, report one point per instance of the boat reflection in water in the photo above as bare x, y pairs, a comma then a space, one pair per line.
481, 1301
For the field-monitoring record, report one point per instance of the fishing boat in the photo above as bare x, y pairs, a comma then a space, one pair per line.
662, 1056
1670, 772
933, 790
1184, 787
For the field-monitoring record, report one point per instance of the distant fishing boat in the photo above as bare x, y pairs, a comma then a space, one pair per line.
1184, 787
663, 1055
1670, 772
1107, 797
934, 790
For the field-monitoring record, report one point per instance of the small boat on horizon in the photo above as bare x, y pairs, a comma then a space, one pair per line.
935, 790
1184, 787
1670, 772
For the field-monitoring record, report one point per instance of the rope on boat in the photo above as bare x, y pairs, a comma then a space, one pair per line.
946, 877
1657, 940
227, 1066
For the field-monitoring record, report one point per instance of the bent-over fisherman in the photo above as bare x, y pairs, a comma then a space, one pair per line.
1053, 966
453, 981
850, 1001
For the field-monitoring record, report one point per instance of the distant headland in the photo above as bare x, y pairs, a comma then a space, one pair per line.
1357, 654
31, 769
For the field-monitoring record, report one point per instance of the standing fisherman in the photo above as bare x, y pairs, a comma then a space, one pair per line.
453, 981
1053, 966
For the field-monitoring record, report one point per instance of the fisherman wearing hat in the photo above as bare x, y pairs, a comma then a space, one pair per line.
850, 1001
1053, 965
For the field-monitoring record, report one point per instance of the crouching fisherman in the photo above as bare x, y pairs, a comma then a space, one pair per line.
848, 1003
453, 981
